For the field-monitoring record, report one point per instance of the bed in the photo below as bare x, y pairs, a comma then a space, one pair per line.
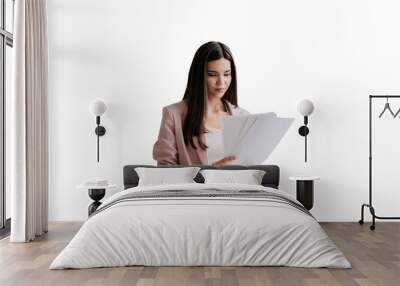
201, 224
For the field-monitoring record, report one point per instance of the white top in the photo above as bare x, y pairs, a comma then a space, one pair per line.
303, 178
215, 150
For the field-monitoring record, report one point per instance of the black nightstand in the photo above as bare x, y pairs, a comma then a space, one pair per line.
305, 190
96, 193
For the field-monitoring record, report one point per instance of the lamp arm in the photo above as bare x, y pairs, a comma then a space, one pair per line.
100, 131
98, 136
305, 148
98, 146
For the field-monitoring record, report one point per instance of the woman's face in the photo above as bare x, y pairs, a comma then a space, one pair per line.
218, 77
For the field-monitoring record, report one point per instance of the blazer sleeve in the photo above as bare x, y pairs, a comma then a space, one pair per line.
165, 150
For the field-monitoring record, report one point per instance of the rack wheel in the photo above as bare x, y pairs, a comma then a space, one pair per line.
372, 227
361, 222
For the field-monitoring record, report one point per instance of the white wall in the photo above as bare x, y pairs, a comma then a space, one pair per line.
136, 56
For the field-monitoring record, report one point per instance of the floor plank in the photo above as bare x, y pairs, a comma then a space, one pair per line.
374, 255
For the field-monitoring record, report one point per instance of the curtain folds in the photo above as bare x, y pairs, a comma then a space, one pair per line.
29, 122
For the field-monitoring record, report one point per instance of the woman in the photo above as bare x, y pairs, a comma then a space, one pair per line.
190, 131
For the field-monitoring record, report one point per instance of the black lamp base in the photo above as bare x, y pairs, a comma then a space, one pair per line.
100, 130
303, 130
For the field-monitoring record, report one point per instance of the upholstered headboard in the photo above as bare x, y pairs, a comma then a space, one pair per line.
270, 179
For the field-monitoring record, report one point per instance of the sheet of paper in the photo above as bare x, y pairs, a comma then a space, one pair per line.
235, 125
257, 139
235, 128
252, 118
241, 128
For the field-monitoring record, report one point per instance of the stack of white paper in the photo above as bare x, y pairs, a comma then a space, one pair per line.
252, 138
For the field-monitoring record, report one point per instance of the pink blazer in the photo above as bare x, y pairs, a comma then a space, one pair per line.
170, 148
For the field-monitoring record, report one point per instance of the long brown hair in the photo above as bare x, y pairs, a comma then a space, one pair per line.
196, 90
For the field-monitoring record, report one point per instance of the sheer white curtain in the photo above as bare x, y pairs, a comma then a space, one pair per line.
28, 122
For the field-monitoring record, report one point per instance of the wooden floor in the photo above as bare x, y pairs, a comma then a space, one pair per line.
374, 255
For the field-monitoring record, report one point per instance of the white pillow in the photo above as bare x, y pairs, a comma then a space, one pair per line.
162, 176
248, 177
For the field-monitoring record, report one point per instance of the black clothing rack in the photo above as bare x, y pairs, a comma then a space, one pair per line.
369, 205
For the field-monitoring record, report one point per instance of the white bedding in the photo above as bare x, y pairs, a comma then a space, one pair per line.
200, 231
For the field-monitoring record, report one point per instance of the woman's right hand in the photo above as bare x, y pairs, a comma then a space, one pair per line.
223, 161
